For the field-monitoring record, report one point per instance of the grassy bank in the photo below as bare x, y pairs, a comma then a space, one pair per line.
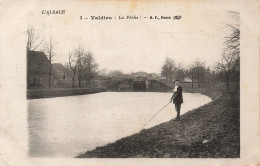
210, 131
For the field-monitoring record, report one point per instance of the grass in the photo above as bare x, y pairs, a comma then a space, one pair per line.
210, 131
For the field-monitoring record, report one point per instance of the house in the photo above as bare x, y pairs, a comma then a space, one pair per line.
37, 69
163, 79
139, 74
153, 76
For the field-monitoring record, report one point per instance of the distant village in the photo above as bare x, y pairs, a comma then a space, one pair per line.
61, 76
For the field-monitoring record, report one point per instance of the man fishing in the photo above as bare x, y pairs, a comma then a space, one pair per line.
177, 97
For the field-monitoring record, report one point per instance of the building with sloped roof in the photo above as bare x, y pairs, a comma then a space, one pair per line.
37, 69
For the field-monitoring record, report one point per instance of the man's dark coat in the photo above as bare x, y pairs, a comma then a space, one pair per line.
177, 96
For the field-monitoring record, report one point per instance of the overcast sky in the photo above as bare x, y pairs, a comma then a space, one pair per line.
134, 45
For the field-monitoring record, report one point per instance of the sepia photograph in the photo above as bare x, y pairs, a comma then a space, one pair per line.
173, 94
129, 82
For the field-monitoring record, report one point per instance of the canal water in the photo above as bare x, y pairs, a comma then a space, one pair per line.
68, 126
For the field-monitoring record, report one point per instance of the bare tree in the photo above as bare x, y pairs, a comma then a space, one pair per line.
198, 66
33, 39
73, 66
190, 74
83, 65
33, 42
231, 54
89, 66
65, 72
179, 72
214, 72
79, 53
226, 64
49, 49
233, 39
168, 69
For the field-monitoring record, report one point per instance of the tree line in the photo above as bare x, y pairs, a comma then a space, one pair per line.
227, 69
81, 66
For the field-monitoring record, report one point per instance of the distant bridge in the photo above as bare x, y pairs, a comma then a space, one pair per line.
140, 84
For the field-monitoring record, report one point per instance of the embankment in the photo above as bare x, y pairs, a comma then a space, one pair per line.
210, 131
45, 93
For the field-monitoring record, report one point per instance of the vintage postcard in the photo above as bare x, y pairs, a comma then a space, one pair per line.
129, 82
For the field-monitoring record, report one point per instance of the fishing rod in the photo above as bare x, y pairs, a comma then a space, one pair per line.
156, 114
